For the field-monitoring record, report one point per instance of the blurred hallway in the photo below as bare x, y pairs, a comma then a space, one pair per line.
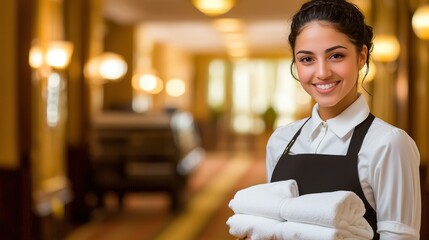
147, 216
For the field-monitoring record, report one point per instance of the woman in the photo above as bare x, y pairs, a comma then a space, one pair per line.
342, 146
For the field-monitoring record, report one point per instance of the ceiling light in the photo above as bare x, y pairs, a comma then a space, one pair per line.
228, 25
213, 7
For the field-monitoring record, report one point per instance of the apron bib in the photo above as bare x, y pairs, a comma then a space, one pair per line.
317, 173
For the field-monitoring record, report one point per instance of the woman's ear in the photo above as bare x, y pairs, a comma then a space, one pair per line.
363, 55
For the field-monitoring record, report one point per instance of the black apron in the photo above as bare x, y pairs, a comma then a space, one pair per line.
315, 173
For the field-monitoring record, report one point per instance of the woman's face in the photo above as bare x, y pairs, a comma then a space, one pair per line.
328, 65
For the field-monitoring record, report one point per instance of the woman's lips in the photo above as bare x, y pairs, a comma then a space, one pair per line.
326, 86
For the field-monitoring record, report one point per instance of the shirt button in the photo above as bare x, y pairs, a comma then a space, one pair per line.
324, 124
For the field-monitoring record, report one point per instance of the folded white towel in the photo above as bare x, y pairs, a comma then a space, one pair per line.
265, 199
260, 228
303, 231
257, 228
342, 210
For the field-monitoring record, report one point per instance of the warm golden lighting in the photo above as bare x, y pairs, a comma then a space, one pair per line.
420, 22
58, 54
147, 82
36, 58
213, 7
234, 37
238, 52
112, 66
228, 25
175, 87
108, 66
386, 48
235, 41
53, 108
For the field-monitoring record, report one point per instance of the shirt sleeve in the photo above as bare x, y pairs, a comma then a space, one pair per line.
270, 160
396, 185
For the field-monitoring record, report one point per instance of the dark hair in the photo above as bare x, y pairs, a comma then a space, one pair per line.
345, 17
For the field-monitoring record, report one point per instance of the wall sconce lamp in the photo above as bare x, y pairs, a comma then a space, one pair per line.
420, 22
147, 82
214, 7
108, 66
46, 62
56, 55
386, 48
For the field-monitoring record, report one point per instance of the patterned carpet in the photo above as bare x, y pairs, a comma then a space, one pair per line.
146, 216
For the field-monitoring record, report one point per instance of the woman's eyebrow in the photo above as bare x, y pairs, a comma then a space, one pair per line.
304, 52
326, 51
334, 48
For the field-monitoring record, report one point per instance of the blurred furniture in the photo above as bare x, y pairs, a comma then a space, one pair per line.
133, 152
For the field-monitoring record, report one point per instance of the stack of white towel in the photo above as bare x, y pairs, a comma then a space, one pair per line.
275, 211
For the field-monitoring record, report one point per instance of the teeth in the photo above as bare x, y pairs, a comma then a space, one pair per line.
325, 86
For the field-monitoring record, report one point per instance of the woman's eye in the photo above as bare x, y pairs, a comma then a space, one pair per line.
305, 59
337, 56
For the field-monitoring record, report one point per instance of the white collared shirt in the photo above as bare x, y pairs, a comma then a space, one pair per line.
388, 163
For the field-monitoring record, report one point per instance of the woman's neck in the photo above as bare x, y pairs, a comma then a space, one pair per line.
326, 113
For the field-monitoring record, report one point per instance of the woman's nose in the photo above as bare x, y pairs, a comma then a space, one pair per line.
323, 70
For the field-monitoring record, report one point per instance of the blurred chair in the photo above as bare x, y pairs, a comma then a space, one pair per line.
133, 152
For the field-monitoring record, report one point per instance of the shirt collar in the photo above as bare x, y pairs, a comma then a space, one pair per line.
341, 124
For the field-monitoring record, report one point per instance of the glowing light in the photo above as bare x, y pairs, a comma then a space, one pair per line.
420, 22
147, 82
228, 25
36, 58
59, 53
112, 67
56, 55
386, 48
214, 7
175, 87
108, 66
53, 100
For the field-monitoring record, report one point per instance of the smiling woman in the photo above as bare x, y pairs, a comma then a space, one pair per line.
342, 146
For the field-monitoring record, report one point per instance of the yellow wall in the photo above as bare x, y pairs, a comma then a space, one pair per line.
419, 92
143, 54
120, 40
8, 103
48, 160
172, 62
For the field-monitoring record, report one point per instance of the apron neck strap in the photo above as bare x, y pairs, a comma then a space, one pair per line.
358, 135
